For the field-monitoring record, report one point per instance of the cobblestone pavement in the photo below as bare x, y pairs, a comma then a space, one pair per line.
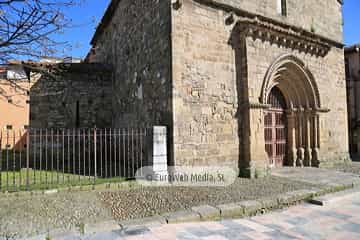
340, 220
150, 201
28, 215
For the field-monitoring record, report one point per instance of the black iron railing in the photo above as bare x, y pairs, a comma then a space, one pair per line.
50, 158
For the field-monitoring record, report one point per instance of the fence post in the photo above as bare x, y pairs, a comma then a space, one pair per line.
158, 160
27, 158
95, 157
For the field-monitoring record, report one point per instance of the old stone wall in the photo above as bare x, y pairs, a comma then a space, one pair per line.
205, 92
321, 17
136, 42
76, 98
209, 99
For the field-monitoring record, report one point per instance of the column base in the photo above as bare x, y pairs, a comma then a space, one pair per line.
255, 172
300, 157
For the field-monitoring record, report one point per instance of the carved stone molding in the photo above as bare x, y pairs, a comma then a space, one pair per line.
257, 105
177, 4
276, 28
323, 110
282, 36
307, 111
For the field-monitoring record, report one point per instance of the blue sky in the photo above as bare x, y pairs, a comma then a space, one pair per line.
351, 21
87, 16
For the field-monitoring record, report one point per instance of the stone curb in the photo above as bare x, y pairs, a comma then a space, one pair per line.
335, 197
182, 216
148, 221
207, 213
223, 211
231, 210
238, 209
98, 187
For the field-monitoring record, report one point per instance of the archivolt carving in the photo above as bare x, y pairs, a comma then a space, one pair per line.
290, 75
297, 83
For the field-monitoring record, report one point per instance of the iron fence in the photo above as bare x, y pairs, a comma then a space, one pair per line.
47, 158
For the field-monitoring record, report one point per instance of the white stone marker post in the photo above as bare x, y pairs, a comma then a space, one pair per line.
158, 157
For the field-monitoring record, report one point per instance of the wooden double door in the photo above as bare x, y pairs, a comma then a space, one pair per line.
276, 129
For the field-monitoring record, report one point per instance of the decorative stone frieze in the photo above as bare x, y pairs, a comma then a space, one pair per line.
283, 36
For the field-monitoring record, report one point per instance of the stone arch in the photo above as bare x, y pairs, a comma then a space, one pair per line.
291, 76
303, 86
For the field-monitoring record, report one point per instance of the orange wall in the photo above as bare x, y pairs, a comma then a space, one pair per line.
16, 113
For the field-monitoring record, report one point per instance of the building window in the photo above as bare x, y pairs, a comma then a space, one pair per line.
282, 8
3, 74
9, 127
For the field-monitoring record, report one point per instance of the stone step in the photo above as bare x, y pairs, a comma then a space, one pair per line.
335, 197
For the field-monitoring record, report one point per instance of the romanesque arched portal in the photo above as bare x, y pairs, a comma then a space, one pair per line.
291, 78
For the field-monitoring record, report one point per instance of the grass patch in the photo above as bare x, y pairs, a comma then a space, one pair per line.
42, 180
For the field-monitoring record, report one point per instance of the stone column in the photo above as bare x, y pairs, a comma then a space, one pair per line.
316, 144
291, 120
307, 134
300, 150
258, 158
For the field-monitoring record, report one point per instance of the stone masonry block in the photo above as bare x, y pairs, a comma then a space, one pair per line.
207, 212
231, 210
250, 207
148, 221
182, 216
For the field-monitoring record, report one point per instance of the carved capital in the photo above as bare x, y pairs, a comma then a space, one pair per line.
257, 105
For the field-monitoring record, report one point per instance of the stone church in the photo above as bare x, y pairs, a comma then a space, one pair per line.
253, 84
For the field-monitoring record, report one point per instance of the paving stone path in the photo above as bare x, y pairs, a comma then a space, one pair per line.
340, 220
321, 176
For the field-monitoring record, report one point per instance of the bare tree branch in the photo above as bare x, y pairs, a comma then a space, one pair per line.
27, 27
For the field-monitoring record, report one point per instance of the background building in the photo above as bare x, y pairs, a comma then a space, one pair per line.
16, 82
14, 97
352, 66
52, 93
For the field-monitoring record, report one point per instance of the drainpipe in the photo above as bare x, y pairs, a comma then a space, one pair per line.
356, 82
356, 87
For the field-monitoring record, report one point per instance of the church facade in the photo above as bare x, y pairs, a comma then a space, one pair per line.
253, 84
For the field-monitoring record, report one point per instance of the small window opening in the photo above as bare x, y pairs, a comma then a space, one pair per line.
282, 7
